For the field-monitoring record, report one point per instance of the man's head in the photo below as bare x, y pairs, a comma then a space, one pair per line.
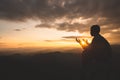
95, 30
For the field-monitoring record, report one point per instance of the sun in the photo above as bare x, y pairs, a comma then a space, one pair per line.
83, 44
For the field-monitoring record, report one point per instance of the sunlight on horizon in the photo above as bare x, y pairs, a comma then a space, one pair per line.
24, 34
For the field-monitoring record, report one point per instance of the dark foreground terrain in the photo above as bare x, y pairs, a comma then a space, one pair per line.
49, 66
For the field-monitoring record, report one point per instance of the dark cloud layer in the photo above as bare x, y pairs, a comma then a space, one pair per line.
103, 12
52, 9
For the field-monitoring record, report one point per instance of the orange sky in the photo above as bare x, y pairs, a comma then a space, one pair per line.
56, 23
23, 34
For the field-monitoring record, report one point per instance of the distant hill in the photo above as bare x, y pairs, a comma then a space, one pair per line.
55, 65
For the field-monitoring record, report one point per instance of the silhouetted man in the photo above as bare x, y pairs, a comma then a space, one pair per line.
97, 56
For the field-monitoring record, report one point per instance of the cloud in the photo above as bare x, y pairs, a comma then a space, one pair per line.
74, 14
3, 44
26, 9
44, 25
73, 37
61, 40
17, 29
69, 27
52, 9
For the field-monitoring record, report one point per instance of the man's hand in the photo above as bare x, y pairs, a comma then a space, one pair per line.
78, 40
84, 43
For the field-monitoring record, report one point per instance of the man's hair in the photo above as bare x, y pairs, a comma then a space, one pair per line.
95, 28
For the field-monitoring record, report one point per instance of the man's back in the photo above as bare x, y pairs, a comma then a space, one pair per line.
100, 49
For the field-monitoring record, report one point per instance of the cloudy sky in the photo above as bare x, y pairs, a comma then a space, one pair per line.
53, 23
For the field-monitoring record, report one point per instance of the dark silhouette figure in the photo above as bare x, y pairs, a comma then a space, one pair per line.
96, 58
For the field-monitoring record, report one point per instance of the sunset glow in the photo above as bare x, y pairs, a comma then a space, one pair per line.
25, 35
55, 26
60, 39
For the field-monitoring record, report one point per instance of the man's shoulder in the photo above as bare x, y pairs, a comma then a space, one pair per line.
100, 38
102, 41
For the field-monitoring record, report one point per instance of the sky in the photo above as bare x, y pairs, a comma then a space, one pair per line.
56, 23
